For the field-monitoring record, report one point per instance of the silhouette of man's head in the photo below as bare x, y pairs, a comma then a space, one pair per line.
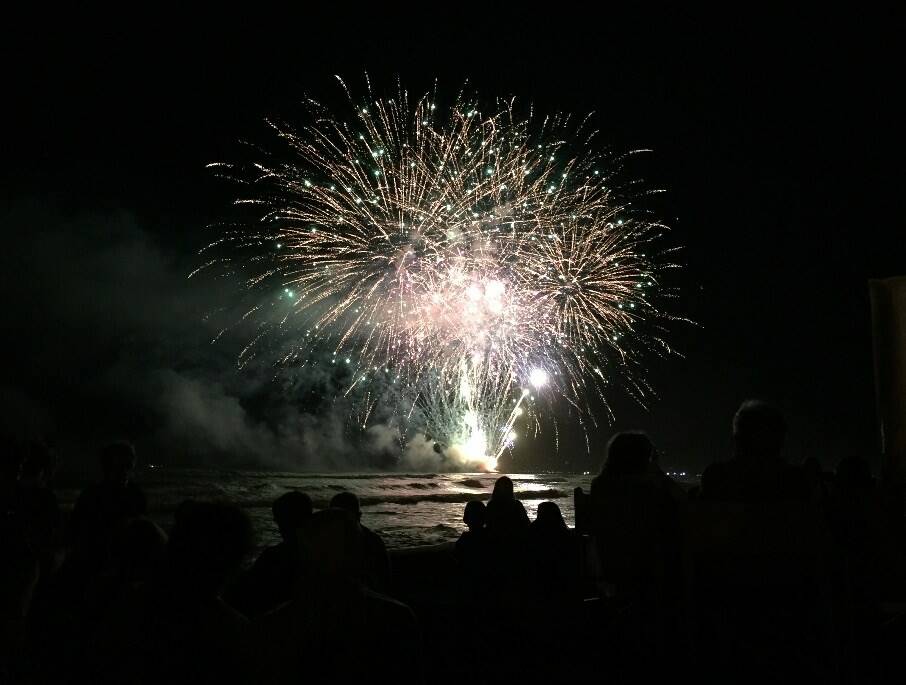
348, 502
758, 430
503, 489
117, 462
208, 542
290, 511
475, 515
329, 544
549, 517
628, 453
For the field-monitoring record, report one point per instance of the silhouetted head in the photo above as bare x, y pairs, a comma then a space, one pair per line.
628, 453
117, 463
329, 544
290, 511
207, 544
475, 515
348, 502
549, 517
39, 463
503, 489
758, 430
139, 549
853, 474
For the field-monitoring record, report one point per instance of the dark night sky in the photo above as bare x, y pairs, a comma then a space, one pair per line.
779, 139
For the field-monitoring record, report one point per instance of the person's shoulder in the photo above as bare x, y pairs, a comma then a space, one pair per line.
277, 621
372, 537
135, 496
715, 478
274, 555
228, 614
387, 606
469, 539
598, 484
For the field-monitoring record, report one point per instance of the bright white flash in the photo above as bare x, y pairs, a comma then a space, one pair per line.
538, 378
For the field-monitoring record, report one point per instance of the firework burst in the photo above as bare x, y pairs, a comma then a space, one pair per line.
480, 259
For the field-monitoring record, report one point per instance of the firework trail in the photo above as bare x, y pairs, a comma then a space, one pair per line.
476, 259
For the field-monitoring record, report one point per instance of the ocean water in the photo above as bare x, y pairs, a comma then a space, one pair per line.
407, 510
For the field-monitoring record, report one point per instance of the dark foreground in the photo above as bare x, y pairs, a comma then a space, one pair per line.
767, 572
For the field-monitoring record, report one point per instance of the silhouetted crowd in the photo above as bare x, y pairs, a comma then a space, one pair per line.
763, 572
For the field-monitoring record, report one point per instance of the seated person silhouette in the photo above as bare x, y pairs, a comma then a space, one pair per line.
507, 531
37, 505
335, 623
757, 554
634, 518
374, 562
506, 517
555, 555
472, 550
757, 472
269, 582
20, 568
103, 507
868, 539
137, 557
475, 517
177, 629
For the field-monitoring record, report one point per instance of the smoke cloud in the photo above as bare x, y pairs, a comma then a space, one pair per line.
108, 338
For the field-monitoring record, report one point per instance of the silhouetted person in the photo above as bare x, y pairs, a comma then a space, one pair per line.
814, 480
475, 516
758, 552
872, 554
508, 572
335, 624
506, 517
105, 506
635, 519
555, 555
374, 563
37, 505
269, 582
178, 629
628, 454
676, 491
472, 550
549, 520
757, 472
19, 568
635, 524
137, 558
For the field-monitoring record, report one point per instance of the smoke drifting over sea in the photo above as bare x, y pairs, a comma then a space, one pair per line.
106, 338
